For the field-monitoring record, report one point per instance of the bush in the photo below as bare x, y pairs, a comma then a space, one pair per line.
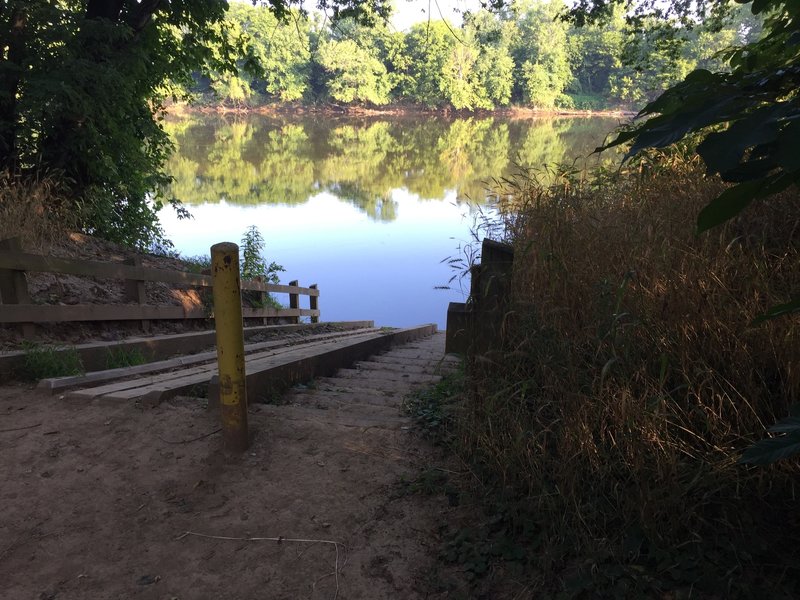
632, 379
587, 102
252, 263
41, 362
35, 210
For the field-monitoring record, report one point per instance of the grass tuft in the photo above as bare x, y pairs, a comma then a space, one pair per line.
41, 362
124, 357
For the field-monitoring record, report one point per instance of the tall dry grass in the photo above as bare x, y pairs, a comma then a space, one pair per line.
632, 380
37, 210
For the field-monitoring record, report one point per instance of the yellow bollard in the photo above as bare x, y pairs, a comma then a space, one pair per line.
230, 345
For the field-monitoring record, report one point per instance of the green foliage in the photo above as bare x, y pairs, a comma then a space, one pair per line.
124, 357
231, 88
197, 264
785, 445
83, 86
748, 118
523, 53
433, 408
278, 56
41, 361
354, 73
748, 122
541, 53
252, 264
81, 94
267, 160
428, 47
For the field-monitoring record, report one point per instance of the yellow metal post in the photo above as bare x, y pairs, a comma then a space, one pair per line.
230, 344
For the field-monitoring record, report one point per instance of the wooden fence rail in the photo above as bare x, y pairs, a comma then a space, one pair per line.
16, 305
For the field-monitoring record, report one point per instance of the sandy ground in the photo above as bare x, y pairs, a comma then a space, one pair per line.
97, 499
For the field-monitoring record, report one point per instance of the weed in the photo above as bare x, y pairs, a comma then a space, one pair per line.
433, 408
41, 362
197, 264
37, 210
631, 381
428, 482
124, 357
256, 299
253, 264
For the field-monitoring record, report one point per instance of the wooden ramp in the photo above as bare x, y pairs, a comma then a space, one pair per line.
271, 367
371, 393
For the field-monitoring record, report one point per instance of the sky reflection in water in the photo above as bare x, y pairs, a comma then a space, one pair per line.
348, 221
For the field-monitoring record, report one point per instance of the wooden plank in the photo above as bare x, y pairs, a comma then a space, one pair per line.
279, 288
41, 313
314, 304
56, 313
249, 313
94, 354
50, 264
161, 390
271, 375
255, 351
141, 382
56, 384
22, 261
135, 290
14, 285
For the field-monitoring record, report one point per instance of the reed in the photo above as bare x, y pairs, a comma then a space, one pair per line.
35, 209
632, 379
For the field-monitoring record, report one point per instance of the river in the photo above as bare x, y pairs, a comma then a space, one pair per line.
370, 209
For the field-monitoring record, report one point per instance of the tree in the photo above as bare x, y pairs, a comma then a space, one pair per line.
82, 92
495, 66
748, 118
541, 54
428, 47
82, 89
355, 74
278, 53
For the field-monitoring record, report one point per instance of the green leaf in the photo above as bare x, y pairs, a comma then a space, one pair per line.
771, 450
789, 147
787, 425
727, 205
722, 151
735, 199
780, 310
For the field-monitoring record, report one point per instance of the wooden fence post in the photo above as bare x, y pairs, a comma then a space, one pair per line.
135, 290
14, 286
262, 297
230, 345
294, 299
313, 302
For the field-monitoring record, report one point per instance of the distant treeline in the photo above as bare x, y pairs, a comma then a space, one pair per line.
524, 55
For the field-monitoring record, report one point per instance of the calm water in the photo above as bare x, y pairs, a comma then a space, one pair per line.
367, 208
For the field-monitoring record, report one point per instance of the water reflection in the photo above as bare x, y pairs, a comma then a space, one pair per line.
366, 208
267, 160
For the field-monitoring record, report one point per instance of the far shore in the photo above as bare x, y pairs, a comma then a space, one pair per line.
337, 110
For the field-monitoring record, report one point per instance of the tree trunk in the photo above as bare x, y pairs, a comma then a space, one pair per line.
10, 78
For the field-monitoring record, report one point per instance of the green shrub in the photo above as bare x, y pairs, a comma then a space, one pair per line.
124, 357
252, 263
41, 362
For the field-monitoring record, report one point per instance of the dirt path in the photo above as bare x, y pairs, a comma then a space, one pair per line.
97, 499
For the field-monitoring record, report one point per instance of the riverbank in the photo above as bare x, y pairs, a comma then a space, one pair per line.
397, 110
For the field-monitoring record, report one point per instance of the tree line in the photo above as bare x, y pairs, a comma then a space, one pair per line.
266, 160
523, 54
